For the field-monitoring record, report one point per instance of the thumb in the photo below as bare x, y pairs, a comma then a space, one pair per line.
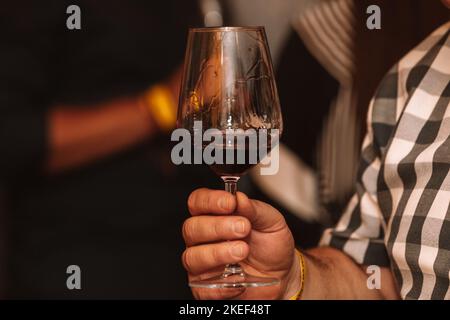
262, 216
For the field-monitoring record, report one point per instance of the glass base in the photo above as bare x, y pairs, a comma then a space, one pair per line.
234, 277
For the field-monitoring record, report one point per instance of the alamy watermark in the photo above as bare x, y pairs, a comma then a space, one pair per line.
374, 278
374, 20
74, 279
73, 21
227, 147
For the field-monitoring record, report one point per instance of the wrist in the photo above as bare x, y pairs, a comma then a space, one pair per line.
294, 281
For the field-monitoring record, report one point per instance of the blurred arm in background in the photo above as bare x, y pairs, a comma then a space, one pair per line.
80, 135
43, 130
84, 159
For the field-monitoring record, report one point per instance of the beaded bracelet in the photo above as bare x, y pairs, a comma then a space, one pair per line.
298, 295
158, 100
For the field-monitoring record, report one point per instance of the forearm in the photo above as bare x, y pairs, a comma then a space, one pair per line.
78, 136
331, 274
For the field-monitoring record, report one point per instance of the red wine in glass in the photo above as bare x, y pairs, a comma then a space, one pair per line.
228, 85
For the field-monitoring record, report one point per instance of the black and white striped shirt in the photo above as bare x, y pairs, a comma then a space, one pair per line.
327, 28
400, 214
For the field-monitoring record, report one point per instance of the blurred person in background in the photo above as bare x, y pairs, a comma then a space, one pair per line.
85, 159
328, 65
397, 222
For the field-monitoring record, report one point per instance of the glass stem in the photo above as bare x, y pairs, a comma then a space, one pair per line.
231, 187
230, 184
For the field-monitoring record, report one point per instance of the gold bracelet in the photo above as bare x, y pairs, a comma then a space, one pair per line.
298, 295
159, 101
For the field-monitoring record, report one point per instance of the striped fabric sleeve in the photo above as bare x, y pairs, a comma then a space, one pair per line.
361, 229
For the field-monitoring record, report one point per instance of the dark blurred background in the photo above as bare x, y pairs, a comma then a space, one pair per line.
85, 170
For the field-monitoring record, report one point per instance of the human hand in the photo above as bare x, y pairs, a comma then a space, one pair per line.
227, 229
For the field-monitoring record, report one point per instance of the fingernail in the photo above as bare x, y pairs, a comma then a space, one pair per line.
239, 227
237, 251
223, 203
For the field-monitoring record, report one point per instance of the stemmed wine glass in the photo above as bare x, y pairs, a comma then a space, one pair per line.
228, 86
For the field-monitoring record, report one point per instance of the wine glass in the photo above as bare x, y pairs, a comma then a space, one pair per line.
228, 91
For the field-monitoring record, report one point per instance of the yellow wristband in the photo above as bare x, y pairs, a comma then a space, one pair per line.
159, 101
301, 259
